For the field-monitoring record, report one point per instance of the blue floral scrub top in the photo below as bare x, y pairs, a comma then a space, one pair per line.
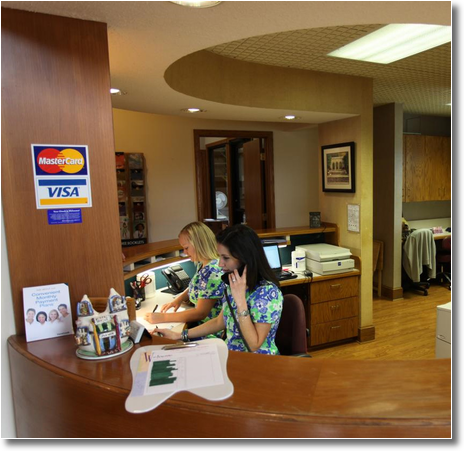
207, 284
265, 306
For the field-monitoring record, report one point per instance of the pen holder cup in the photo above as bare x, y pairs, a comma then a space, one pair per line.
138, 294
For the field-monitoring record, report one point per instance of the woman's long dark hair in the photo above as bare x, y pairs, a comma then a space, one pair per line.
244, 245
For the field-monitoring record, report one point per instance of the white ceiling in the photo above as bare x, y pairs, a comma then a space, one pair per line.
145, 38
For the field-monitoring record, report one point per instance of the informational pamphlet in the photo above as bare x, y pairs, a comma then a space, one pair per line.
47, 312
159, 371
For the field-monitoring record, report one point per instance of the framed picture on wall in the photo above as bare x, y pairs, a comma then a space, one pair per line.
338, 168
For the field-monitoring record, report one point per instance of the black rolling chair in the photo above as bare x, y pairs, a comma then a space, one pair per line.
292, 334
444, 261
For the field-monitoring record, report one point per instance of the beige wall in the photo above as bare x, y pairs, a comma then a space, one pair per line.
167, 143
334, 205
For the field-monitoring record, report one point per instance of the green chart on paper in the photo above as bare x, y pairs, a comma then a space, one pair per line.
162, 373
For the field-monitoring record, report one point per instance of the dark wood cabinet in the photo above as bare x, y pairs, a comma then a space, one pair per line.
331, 306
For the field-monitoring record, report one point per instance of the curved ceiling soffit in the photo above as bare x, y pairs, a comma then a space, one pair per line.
273, 70
208, 76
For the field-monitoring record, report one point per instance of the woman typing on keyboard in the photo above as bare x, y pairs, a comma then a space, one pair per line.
252, 304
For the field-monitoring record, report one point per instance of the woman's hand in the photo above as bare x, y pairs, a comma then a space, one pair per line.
238, 286
154, 318
167, 333
175, 304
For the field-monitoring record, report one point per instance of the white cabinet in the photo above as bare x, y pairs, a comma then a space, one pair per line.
443, 335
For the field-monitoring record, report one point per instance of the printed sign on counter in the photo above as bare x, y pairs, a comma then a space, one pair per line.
61, 176
47, 311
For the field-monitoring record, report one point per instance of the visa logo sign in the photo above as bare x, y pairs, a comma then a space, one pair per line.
63, 192
67, 191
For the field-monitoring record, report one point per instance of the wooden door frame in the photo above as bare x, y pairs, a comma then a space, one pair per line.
202, 169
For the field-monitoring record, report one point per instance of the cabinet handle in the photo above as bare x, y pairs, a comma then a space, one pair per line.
335, 327
335, 286
335, 306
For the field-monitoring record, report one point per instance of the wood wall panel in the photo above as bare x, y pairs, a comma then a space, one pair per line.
427, 168
55, 90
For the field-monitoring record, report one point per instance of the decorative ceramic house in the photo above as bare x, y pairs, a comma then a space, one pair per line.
103, 334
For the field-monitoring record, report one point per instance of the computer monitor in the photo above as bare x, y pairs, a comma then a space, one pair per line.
273, 256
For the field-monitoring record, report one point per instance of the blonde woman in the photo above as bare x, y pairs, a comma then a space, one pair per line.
206, 288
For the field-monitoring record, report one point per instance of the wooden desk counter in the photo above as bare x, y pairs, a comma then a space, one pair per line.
57, 394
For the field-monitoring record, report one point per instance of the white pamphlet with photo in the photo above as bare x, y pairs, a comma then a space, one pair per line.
47, 312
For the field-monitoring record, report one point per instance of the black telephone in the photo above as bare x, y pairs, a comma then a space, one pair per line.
177, 278
225, 276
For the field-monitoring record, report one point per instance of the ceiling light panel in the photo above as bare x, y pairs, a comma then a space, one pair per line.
394, 42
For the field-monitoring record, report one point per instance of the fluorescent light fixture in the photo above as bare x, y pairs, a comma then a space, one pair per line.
197, 4
448, 104
394, 42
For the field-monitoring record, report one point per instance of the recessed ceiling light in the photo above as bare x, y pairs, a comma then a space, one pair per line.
197, 4
193, 110
448, 104
394, 42
291, 117
117, 92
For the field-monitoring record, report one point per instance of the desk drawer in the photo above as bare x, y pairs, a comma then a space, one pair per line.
330, 290
334, 310
334, 331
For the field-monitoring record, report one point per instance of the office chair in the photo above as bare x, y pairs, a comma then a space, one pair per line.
444, 260
292, 335
419, 252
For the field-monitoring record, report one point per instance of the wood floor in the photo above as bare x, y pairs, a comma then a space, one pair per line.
404, 329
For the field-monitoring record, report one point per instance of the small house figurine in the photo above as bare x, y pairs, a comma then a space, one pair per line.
101, 335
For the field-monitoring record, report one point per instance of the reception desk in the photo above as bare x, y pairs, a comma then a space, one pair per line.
57, 394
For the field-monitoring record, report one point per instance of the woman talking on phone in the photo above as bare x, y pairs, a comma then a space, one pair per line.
252, 304
206, 289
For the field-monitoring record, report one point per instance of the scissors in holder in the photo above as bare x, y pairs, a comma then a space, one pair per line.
144, 281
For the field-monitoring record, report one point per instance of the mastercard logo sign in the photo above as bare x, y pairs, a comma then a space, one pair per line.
61, 176
54, 161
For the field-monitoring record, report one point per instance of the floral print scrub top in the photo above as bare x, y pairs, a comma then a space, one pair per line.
207, 284
265, 306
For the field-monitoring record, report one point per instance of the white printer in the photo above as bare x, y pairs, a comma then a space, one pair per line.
325, 259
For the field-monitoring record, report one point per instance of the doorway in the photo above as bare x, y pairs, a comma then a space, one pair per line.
235, 178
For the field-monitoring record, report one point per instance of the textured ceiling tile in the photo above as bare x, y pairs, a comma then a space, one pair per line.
421, 82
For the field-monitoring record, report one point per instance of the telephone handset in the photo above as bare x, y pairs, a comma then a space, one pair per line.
177, 278
225, 276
